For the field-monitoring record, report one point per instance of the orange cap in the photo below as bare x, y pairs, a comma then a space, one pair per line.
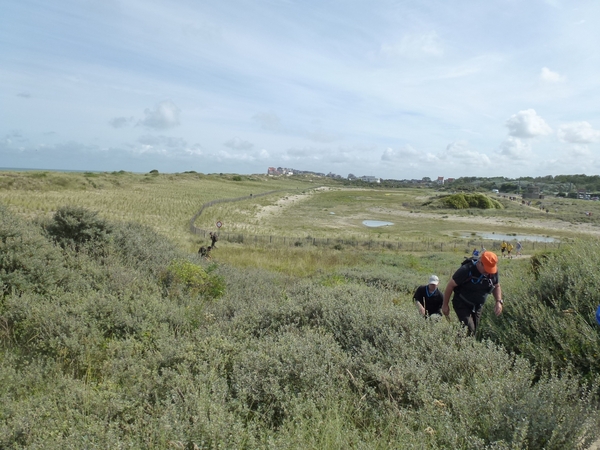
489, 261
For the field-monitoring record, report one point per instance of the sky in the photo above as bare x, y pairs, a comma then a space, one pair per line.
397, 89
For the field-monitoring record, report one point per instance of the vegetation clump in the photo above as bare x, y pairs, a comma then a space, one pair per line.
76, 226
464, 201
192, 278
551, 319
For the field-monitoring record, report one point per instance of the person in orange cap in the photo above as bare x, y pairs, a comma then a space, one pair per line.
471, 284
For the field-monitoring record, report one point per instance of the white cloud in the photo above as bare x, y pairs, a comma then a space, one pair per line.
194, 150
527, 124
578, 133
550, 76
515, 148
164, 115
406, 151
460, 152
415, 45
238, 144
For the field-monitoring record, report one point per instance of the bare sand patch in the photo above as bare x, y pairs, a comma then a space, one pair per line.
283, 203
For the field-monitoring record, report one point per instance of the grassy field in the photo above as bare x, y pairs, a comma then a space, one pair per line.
165, 202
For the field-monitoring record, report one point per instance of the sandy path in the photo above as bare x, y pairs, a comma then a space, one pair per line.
283, 203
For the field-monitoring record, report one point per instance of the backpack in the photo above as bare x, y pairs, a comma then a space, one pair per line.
467, 261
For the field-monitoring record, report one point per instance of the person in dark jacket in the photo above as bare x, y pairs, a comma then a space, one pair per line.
428, 298
471, 284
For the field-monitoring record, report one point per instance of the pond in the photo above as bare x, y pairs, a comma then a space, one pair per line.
376, 223
510, 237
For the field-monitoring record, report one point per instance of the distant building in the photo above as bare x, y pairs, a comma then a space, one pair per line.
449, 180
370, 179
532, 191
440, 180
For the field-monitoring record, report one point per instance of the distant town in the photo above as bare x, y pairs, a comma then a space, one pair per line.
584, 187
273, 171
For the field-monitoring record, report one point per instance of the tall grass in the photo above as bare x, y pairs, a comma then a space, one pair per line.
164, 202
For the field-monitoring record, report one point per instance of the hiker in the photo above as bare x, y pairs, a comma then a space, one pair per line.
519, 248
428, 298
503, 248
509, 249
214, 237
471, 284
205, 252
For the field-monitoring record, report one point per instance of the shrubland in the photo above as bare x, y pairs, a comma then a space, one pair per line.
113, 337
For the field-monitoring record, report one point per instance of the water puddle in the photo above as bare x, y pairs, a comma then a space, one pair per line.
376, 223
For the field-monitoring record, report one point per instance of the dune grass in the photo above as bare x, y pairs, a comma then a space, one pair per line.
165, 202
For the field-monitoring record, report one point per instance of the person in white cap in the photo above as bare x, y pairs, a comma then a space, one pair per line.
428, 298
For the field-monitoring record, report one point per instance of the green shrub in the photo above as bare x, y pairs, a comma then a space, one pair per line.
28, 262
141, 247
193, 279
74, 226
464, 201
550, 316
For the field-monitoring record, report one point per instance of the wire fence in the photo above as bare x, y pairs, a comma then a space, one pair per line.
455, 245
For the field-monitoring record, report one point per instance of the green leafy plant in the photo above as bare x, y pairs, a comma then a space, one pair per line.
193, 279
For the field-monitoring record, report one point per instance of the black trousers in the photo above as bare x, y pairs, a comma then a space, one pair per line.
468, 314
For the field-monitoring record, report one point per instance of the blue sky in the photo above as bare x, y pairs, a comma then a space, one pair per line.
394, 89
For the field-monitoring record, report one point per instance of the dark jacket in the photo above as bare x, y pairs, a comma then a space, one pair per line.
432, 302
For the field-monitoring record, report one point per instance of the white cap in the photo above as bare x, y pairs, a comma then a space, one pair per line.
433, 279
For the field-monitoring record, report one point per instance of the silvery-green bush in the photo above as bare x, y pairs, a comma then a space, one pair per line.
549, 315
103, 357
